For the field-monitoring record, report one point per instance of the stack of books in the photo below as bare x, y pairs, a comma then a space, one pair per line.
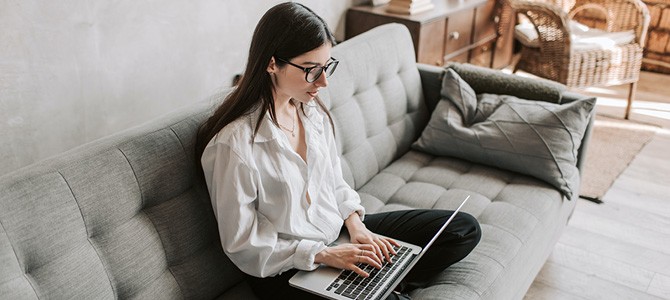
409, 7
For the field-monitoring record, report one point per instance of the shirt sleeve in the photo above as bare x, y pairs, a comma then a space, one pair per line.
348, 200
251, 241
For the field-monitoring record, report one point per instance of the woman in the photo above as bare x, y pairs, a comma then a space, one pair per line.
270, 161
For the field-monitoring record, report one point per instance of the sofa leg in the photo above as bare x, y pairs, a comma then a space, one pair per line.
631, 96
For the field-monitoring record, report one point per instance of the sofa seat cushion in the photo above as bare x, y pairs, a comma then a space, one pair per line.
513, 210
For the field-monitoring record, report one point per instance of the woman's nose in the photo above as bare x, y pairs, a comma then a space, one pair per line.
322, 81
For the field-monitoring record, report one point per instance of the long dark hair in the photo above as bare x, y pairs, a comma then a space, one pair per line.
286, 30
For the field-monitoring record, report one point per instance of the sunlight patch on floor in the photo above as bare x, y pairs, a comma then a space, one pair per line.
611, 102
626, 125
652, 109
647, 105
603, 91
664, 132
653, 113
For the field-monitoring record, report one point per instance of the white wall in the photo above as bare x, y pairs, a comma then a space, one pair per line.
72, 71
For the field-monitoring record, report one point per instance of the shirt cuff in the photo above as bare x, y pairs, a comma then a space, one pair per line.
305, 253
349, 207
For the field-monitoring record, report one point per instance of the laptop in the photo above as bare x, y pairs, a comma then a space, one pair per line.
346, 284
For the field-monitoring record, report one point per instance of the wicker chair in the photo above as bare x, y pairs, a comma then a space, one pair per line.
555, 59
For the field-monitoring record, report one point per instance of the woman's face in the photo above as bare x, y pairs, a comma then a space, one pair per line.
290, 81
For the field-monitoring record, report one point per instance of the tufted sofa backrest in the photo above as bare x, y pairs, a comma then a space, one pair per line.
123, 217
376, 100
127, 217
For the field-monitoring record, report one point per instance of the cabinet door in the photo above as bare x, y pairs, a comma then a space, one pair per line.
431, 43
459, 34
488, 18
485, 22
482, 55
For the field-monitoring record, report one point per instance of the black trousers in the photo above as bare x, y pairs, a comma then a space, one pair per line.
412, 226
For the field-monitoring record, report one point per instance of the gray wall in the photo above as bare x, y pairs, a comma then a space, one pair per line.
72, 71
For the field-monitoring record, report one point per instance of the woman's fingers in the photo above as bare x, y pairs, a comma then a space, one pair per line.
351, 256
387, 249
365, 257
372, 241
393, 242
371, 261
370, 254
378, 251
379, 248
359, 271
383, 249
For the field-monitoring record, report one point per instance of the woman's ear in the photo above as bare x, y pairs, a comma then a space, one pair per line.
272, 66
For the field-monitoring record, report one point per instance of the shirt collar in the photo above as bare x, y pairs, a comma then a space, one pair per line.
268, 131
314, 118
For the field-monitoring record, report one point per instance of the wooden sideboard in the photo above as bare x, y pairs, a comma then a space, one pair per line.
657, 48
454, 31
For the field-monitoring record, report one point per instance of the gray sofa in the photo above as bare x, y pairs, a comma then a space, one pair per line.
127, 217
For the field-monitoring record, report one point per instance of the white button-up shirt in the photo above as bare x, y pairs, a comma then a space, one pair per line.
259, 193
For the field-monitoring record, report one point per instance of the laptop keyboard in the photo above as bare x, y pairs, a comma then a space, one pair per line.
351, 285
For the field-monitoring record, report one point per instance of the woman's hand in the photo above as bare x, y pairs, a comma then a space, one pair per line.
359, 234
347, 256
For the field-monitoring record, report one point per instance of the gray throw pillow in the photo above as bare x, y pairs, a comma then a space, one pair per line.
535, 138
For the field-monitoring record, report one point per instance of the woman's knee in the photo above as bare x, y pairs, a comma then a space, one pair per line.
473, 232
466, 229
471, 222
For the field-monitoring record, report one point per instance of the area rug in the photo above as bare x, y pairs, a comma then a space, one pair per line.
613, 145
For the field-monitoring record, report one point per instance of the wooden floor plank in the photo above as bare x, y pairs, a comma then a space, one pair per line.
648, 219
594, 264
639, 183
585, 285
658, 147
654, 169
541, 291
656, 185
632, 227
660, 286
639, 197
630, 233
617, 249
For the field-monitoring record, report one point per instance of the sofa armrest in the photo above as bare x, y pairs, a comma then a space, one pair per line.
485, 80
431, 82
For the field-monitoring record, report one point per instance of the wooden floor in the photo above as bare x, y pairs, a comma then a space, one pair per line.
620, 249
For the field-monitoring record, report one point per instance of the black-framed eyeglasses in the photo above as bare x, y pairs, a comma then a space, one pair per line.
313, 73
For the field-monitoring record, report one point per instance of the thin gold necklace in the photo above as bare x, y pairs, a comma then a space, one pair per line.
292, 130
